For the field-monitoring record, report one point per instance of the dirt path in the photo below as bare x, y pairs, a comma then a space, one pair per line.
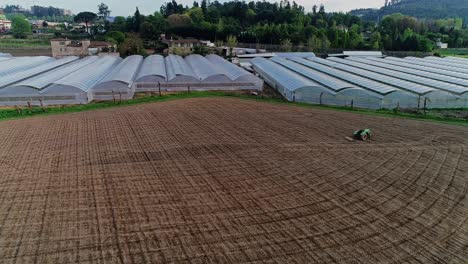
220, 180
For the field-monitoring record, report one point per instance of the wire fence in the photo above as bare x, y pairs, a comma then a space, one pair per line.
40, 100
419, 103
202, 86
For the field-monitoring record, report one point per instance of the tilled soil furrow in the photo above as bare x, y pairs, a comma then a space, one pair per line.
223, 180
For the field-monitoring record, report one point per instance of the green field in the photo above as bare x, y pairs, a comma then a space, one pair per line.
24, 43
454, 116
463, 53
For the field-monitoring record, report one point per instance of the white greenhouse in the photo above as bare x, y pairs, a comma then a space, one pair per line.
391, 96
240, 78
426, 68
118, 83
207, 72
153, 69
70, 80
22, 63
76, 88
195, 72
179, 74
436, 97
346, 93
30, 90
292, 86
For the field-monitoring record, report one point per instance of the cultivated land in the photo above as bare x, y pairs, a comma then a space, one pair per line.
224, 180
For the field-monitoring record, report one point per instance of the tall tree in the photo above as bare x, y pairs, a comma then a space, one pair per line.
85, 17
20, 26
231, 42
137, 21
103, 11
204, 6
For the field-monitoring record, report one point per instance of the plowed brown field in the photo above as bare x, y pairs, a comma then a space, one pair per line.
231, 181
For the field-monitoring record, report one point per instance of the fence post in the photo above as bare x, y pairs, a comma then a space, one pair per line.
425, 104
120, 97
294, 96
42, 105
352, 103
113, 96
188, 89
321, 94
159, 88
419, 102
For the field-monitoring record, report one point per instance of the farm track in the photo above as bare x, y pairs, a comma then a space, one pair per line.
223, 180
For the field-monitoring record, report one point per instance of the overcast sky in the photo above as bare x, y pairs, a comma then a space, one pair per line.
127, 7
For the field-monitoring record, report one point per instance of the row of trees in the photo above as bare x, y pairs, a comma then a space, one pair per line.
283, 23
253, 22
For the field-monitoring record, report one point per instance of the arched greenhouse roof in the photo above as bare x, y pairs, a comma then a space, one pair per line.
125, 71
43, 80
371, 85
89, 76
229, 69
177, 66
284, 77
21, 64
153, 65
402, 73
204, 69
32, 71
319, 77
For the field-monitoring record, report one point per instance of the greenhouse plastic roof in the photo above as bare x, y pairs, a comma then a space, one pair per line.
286, 78
176, 65
295, 54
22, 64
90, 75
30, 72
324, 79
43, 80
231, 70
456, 59
380, 77
409, 64
443, 61
438, 79
416, 61
153, 65
439, 64
371, 85
202, 67
413, 78
125, 71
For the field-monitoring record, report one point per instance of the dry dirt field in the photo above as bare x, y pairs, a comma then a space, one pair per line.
224, 180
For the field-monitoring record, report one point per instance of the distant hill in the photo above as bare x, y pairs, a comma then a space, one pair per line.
429, 9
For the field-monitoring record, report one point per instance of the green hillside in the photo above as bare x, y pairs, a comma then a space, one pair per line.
429, 9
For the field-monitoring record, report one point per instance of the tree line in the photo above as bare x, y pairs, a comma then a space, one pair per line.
283, 23
288, 24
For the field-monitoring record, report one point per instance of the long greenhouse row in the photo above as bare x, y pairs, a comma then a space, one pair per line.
174, 73
369, 82
71, 80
